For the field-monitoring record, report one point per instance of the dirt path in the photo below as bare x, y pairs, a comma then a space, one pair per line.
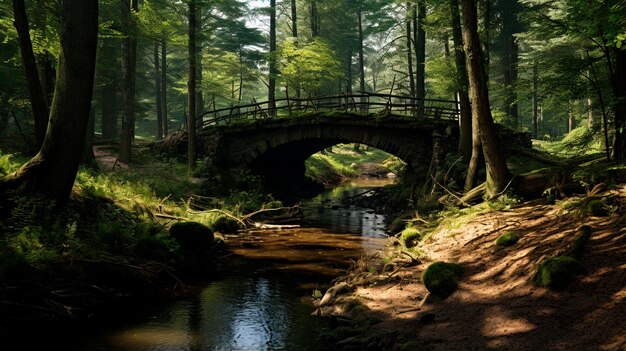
496, 306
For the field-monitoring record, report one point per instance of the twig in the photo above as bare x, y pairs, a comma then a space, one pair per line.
449, 192
222, 212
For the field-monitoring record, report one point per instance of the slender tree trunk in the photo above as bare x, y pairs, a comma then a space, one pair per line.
271, 96
37, 96
315, 24
498, 175
420, 51
53, 170
361, 54
486, 40
535, 100
571, 123
164, 87
129, 62
510, 25
157, 91
88, 158
465, 121
191, 116
199, 46
294, 19
240, 77
47, 77
109, 110
619, 108
349, 76
589, 112
409, 47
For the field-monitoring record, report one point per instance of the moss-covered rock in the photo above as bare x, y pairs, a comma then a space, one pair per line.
557, 272
440, 278
507, 239
225, 224
192, 236
410, 237
153, 248
583, 234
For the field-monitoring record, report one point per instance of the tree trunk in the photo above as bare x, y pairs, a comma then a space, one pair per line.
535, 100
294, 19
4, 122
157, 91
47, 77
498, 175
510, 25
109, 110
199, 43
191, 95
129, 63
465, 120
361, 55
409, 47
88, 158
164, 87
37, 96
315, 27
271, 96
53, 170
486, 42
420, 51
619, 108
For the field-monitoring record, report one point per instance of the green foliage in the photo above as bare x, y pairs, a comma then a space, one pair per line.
410, 237
158, 248
440, 278
557, 272
317, 294
504, 202
308, 65
507, 239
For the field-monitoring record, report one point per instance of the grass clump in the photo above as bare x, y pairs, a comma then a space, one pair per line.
557, 272
410, 237
507, 239
225, 224
440, 278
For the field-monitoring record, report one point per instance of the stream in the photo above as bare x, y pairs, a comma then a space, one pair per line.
260, 298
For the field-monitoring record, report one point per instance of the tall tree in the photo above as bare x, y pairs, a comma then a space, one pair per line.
37, 95
191, 93
271, 96
498, 175
129, 64
164, 111
420, 51
409, 44
53, 170
509, 11
157, 90
465, 137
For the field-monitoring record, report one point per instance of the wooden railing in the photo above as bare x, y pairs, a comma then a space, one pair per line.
360, 103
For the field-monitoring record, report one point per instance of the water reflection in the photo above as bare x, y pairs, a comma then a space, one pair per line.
259, 303
336, 209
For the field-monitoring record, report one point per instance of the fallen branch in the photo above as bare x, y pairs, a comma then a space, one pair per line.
243, 224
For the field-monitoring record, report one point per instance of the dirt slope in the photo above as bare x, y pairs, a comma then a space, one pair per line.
496, 306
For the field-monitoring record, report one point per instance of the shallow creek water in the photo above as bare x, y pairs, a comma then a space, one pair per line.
261, 296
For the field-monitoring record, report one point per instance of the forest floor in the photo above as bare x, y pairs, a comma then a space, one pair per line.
496, 306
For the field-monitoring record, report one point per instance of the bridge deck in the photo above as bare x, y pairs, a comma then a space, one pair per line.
358, 104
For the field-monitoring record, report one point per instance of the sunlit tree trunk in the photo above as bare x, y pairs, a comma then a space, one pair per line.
409, 47
37, 96
53, 170
465, 121
498, 175
271, 96
129, 62
164, 86
191, 94
618, 81
535, 101
157, 91
420, 51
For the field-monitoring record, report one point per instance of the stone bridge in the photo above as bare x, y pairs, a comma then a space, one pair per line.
277, 148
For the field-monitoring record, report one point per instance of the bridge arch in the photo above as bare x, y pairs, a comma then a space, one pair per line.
278, 149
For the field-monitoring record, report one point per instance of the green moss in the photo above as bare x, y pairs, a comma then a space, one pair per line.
440, 278
410, 237
582, 238
557, 272
225, 224
597, 207
507, 239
